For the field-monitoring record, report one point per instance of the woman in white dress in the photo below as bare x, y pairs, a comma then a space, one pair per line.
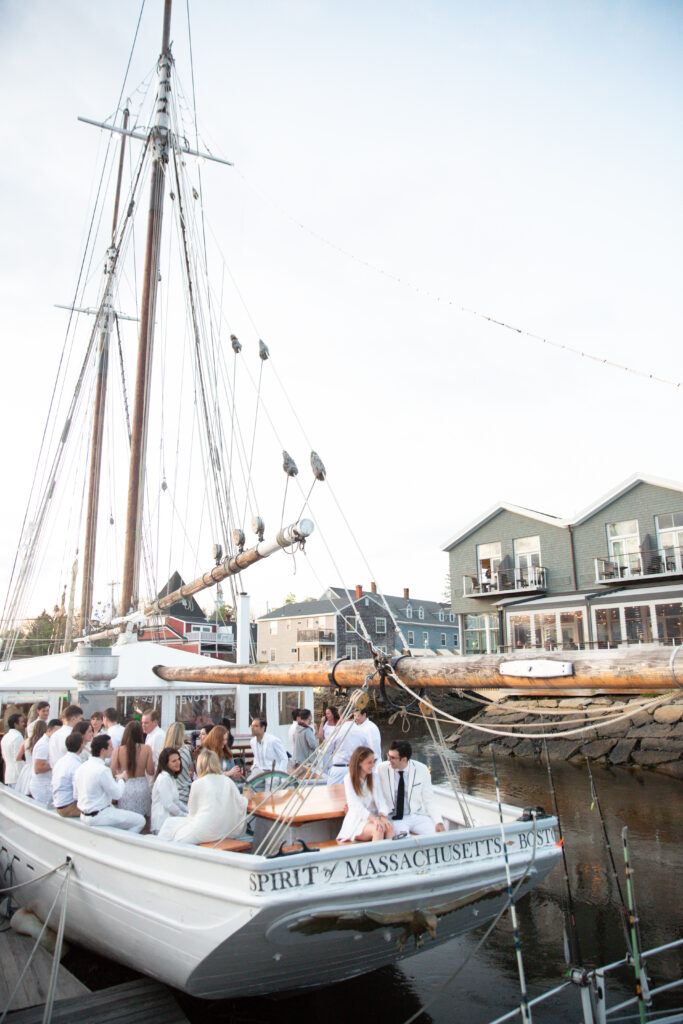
216, 809
23, 785
328, 724
166, 801
367, 815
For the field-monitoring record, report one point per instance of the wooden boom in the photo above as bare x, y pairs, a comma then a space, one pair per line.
634, 670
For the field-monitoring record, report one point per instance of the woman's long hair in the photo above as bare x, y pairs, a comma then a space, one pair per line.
217, 740
359, 754
175, 736
163, 763
334, 712
132, 736
39, 729
208, 763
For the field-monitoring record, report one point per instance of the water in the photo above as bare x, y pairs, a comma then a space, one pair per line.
488, 986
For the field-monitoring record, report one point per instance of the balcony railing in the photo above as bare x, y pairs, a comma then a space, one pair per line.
639, 564
315, 636
505, 581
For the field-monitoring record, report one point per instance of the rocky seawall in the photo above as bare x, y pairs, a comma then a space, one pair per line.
644, 740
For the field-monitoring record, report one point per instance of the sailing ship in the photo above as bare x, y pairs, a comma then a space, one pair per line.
286, 907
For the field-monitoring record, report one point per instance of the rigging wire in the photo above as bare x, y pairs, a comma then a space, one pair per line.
442, 300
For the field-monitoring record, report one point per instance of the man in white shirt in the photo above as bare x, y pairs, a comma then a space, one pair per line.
42, 715
269, 752
407, 787
10, 746
70, 715
63, 777
154, 735
349, 736
371, 731
95, 787
112, 726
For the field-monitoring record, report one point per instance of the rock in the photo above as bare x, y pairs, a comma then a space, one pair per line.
621, 753
509, 741
667, 744
573, 702
642, 718
652, 757
651, 731
677, 730
562, 750
674, 769
471, 738
598, 748
550, 703
506, 718
671, 713
527, 748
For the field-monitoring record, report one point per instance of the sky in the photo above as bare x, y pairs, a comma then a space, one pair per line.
395, 166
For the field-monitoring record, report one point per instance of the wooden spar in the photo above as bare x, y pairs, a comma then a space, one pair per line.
106, 318
296, 533
630, 671
160, 137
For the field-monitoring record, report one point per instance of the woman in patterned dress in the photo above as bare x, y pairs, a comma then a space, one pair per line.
134, 758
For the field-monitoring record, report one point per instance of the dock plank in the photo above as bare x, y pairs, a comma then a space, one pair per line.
129, 1003
15, 950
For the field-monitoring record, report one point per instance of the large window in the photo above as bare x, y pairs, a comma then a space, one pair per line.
547, 624
571, 630
608, 627
287, 703
257, 705
669, 619
481, 634
623, 540
380, 625
411, 638
638, 626
135, 707
670, 541
351, 651
350, 623
488, 560
527, 561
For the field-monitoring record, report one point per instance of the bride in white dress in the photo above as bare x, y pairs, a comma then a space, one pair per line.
367, 814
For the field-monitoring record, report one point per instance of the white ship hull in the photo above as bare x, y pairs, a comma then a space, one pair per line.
219, 924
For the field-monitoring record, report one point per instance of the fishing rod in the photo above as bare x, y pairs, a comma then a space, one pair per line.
524, 1009
573, 928
633, 922
608, 846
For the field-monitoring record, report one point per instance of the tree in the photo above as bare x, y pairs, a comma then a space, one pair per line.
42, 635
290, 599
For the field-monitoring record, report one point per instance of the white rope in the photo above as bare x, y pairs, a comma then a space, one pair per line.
665, 698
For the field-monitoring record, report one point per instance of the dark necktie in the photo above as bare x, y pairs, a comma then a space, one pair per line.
400, 798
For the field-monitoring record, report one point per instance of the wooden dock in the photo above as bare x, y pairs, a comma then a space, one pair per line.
142, 1000
14, 952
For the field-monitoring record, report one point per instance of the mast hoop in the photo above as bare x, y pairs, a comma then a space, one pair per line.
330, 674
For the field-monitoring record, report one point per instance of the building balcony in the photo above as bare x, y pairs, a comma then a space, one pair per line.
315, 636
506, 581
656, 563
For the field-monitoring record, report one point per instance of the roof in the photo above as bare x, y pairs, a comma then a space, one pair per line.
492, 512
606, 499
335, 601
52, 672
187, 608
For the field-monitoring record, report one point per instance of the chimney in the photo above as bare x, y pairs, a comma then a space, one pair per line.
359, 591
406, 593
373, 588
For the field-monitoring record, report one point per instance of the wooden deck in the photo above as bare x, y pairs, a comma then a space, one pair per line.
136, 1001
14, 952
322, 802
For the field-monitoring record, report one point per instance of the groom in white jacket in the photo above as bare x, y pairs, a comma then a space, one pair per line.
407, 787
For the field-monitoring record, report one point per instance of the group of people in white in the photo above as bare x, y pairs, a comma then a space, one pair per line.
140, 777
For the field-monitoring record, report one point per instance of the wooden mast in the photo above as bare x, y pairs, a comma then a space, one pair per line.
606, 671
106, 319
160, 141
